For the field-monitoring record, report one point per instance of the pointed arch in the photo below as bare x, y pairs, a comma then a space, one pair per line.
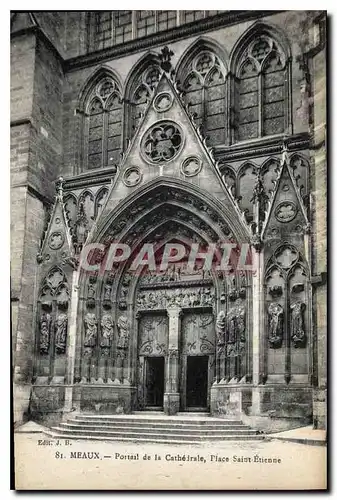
167, 184
140, 85
93, 79
202, 76
100, 106
261, 86
100, 199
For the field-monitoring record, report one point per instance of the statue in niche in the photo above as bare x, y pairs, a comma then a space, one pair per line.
91, 293
241, 322
90, 323
107, 292
45, 324
297, 324
275, 315
231, 326
221, 328
107, 330
61, 325
123, 332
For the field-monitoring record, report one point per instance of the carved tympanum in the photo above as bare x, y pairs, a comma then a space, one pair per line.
298, 335
275, 329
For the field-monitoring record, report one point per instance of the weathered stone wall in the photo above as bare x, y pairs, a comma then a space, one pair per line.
46, 141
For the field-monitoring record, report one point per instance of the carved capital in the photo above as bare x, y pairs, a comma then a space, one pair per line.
174, 312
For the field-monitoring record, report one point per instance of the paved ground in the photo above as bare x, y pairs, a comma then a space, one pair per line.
112, 465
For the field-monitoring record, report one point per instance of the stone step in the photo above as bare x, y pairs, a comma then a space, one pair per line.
162, 423
59, 432
162, 440
163, 420
140, 429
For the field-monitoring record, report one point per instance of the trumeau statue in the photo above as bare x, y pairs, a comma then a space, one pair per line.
61, 333
123, 332
297, 324
45, 324
90, 323
275, 323
107, 330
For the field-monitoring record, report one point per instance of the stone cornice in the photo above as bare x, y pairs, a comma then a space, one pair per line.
263, 147
90, 178
221, 20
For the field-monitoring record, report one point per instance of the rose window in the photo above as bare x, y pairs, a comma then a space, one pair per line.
162, 142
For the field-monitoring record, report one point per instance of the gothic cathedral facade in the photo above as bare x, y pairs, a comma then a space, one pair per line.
156, 130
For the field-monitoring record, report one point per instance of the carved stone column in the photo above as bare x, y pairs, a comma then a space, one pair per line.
172, 395
71, 350
258, 327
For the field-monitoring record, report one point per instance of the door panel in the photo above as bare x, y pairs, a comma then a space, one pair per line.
197, 358
197, 381
154, 381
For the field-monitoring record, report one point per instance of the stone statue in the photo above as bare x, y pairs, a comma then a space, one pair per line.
107, 330
221, 328
123, 332
275, 315
241, 322
297, 324
45, 324
231, 326
61, 333
90, 323
107, 291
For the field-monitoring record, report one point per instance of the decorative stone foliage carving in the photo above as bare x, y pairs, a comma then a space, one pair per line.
298, 335
162, 142
61, 325
275, 333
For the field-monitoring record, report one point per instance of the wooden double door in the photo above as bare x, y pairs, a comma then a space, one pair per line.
196, 360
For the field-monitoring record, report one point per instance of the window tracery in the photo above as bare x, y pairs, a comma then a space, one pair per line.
141, 93
204, 88
103, 125
260, 91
